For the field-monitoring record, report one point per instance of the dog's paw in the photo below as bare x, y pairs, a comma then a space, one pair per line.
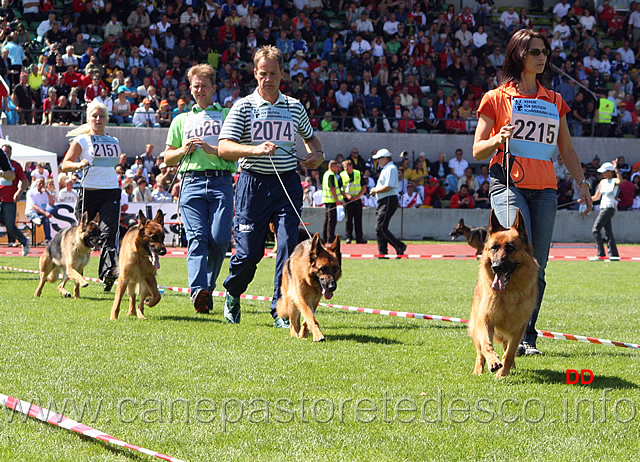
319, 338
495, 366
502, 373
84, 284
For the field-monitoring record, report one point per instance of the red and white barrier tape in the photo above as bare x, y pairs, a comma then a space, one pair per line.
59, 420
408, 314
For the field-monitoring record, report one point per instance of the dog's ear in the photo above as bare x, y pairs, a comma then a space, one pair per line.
461, 222
159, 218
521, 227
316, 243
84, 220
141, 218
335, 248
494, 224
97, 217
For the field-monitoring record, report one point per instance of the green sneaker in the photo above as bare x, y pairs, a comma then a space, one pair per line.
282, 323
231, 308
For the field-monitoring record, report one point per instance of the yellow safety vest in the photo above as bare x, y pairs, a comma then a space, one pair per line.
349, 187
605, 111
327, 197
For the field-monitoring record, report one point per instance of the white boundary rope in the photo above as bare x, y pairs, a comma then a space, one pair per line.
53, 418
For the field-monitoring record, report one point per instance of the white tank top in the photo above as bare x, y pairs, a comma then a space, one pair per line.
103, 154
609, 191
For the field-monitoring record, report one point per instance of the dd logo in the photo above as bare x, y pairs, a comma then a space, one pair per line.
585, 376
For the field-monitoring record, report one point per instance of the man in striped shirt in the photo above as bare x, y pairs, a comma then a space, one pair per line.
260, 132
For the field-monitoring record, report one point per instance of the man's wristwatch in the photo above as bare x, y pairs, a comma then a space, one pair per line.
585, 182
323, 156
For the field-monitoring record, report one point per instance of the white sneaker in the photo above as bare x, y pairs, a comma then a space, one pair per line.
26, 248
596, 258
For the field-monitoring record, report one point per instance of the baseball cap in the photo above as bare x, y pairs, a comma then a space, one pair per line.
381, 153
146, 100
164, 102
606, 167
181, 101
300, 53
163, 165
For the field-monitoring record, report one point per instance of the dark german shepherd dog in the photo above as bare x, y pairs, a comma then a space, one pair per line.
475, 236
138, 262
505, 295
70, 251
312, 271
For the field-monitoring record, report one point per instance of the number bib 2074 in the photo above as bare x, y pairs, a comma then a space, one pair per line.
537, 125
204, 125
273, 124
105, 150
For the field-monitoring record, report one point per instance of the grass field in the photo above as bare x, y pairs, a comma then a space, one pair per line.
380, 388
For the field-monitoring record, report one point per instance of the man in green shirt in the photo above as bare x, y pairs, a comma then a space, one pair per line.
206, 192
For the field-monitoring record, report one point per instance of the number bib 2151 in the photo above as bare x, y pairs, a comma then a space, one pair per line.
537, 125
273, 124
204, 125
105, 151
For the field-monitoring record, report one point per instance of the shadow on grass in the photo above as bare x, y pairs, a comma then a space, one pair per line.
599, 381
364, 339
194, 318
403, 326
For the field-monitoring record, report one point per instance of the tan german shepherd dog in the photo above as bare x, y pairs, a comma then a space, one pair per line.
70, 251
505, 295
312, 271
138, 262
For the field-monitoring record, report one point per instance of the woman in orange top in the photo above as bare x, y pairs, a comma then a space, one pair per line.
539, 125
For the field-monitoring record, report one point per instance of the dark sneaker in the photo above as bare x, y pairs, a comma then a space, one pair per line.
347, 241
231, 308
526, 349
281, 323
361, 241
531, 350
402, 250
202, 301
26, 247
109, 279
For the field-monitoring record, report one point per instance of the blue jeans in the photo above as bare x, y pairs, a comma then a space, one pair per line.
206, 207
538, 207
9, 218
260, 199
46, 224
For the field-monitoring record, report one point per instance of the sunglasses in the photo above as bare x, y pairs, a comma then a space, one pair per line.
537, 51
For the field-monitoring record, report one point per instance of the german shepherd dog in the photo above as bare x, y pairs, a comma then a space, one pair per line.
505, 295
475, 237
312, 271
70, 251
138, 264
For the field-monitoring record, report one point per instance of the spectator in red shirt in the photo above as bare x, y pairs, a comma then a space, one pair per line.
462, 199
72, 78
627, 192
93, 89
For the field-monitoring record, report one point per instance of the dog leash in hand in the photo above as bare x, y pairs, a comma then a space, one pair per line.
289, 197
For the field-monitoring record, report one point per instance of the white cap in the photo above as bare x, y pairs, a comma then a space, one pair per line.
381, 153
606, 167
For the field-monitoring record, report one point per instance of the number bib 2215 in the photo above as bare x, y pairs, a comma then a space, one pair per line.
537, 125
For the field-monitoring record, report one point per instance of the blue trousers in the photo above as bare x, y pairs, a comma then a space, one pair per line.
538, 208
206, 207
260, 199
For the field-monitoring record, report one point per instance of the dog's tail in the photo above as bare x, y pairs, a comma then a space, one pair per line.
54, 275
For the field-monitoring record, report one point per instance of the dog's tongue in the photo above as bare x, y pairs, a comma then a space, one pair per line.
327, 294
155, 260
498, 282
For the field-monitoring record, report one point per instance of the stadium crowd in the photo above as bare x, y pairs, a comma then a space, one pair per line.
393, 66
